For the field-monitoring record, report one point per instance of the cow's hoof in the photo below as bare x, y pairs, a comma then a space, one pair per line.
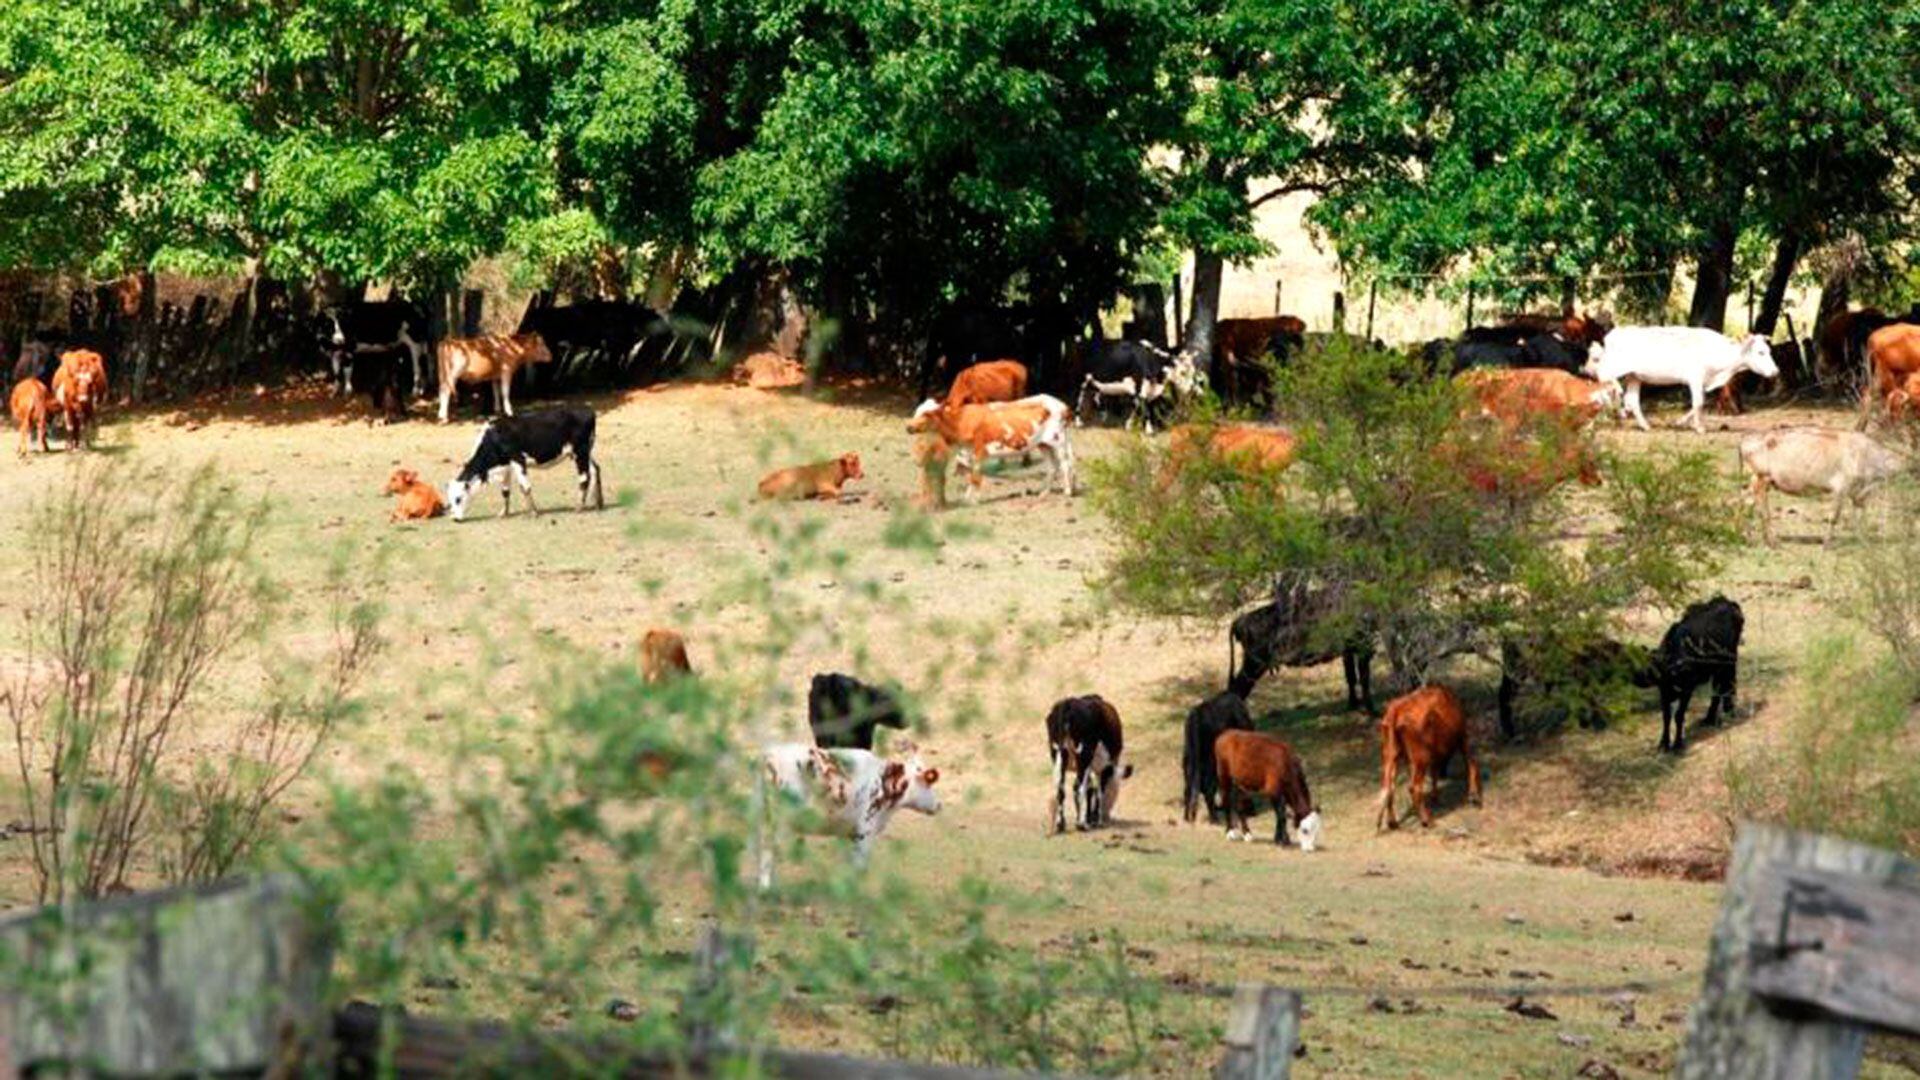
1233, 834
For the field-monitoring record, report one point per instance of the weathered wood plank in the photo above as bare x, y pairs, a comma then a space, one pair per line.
1832, 942
1261, 1034
1732, 1031
222, 979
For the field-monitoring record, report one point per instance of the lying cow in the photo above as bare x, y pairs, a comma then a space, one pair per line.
843, 712
1001, 429
509, 444
417, 499
1243, 448
1286, 632
856, 792
1702, 360
1702, 646
994, 380
30, 403
663, 656
1141, 373
478, 359
1225, 711
1084, 740
1249, 764
1846, 465
1423, 730
820, 480
1518, 396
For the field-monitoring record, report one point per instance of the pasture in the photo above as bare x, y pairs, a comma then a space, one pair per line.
1584, 883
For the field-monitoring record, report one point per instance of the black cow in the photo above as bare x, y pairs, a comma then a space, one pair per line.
1225, 711
351, 330
1703, 646
1134, 370
1285, 631
1084, 739
843, 712
39, 356
511, 443
1504, 334
609, 328
1486, 354
386, 377
1585, 672
1551, 350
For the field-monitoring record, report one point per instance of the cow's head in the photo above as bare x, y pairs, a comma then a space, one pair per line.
1310, 831
535, 348
918, 794
850, 467
331, 328
401, 480
1185, 376
923, 416
1757, 355
1596, 352
460, 493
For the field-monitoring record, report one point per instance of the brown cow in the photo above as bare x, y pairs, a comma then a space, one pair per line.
1517, 465
663, 656
934, 455
478, 359
1250, 763
1893, 357
79, 388
1515, 396
820, 480
1424, 729
994, 380
418, 499
29, 402
1245, 448
1001, 429
1237, 345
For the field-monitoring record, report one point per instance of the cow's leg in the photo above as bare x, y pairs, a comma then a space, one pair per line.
1631, 403
1057, 808
1386, 820
1063, 453
1473, 777
1079, 799
1697, 397
1833, 522
526, 486
1279, 817
1759, 488
446, 394
505, 396
1680, 717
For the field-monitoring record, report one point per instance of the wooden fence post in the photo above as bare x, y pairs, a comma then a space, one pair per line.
1262, 1031
1817, 939
1373, 297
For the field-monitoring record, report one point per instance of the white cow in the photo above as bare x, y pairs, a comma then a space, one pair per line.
1816, 461
856, 792
999, 429
1699, 359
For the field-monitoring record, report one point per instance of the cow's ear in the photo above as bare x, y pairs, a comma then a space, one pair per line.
930, 777
1126, 771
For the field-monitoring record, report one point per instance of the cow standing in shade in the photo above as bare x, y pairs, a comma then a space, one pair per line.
1286, 632
368, 326
843, 712
495, 357
1223, 712
1423, 730
1084, 740
1143, 374
1702, 646
509, 444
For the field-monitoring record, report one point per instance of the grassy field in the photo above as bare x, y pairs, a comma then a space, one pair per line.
1569, 886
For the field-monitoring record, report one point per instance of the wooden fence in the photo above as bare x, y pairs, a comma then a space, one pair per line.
1818, 942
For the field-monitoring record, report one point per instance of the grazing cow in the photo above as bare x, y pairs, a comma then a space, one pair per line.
994, 380
363, 326
509, 444
856, 792
418, 499
1519, 395
1702, 646
1243, 448
1248, 763
1702, 360
1225, 711
1423, 729
1847, 465
478, 359
820, 480
1001, 429
1084, 741
843, 711
1238, 345
1893, 358
1586, 670
1285, 631
663, 656
29, 404
79, 388
1137, 371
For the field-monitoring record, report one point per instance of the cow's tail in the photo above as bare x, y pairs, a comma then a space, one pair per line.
1232, 664
1189, 769
589, 465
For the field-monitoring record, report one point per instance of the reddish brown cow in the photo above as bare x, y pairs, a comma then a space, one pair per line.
1515, 396
663, 655
1893, 358
1244, 447
1423, 729
29, 403
994, 380
1237, 341
79, 387
418, 500
1250, 763
820, 480
492, 357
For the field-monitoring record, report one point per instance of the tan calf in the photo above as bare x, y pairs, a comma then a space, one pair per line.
820, 480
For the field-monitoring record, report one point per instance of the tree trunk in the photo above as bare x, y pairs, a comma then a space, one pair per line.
1208, 269
146, 336
1836, 296
1786, 256
1713, 282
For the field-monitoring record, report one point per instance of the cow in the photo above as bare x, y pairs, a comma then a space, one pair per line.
1846, 465
1139, 372
478, 359
1893, 357
1248, 763
1225, 711
509, 444
362, 326
1286, 631
1423, 730
1519, 466
1243, 448
29, 402
1519, 395
663, 656
1702, 646
1468, 354
1702, 360
843, 712
820, 480
79, 389
993, 380
1001, 429
1555, 350
1238, 345
616, 330
934, 456
386, 377
855, 791
38, 359
1585, 670
418, 499
1084, 740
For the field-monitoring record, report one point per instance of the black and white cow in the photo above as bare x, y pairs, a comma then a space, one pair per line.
1136, 370
1554, 350
1287, 632
348, 331
1225, 711
1084, 741
1702, 646
508, 444
843, 712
